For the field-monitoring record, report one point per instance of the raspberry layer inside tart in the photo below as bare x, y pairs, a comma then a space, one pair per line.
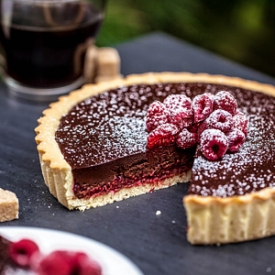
104, 139
135, 170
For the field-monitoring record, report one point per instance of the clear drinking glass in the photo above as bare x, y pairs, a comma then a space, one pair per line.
43, 44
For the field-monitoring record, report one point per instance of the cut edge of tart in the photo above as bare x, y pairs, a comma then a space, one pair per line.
211, 220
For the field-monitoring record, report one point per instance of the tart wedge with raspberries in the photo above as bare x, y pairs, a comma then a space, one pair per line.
24, 256
114, 140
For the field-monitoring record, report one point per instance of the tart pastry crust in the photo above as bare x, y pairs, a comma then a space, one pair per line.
211, 220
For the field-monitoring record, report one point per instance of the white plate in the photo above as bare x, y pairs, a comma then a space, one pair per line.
111, 261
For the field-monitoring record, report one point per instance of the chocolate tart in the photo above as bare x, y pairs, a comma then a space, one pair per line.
92, 149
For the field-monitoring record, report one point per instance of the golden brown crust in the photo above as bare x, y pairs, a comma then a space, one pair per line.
210, 219
214, 220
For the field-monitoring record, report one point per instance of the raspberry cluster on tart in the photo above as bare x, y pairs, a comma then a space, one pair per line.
93, 150
211, 121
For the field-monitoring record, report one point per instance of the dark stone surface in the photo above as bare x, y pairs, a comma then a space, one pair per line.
157, 244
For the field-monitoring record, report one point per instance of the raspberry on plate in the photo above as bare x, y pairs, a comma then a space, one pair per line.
226, 101
83, 265
57, 262
213, 144
202, 106
164, 134
67, 263
21, 252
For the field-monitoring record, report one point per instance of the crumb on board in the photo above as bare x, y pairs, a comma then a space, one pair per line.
9, 206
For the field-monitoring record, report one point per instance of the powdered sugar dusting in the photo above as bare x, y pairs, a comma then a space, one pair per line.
241, 122
226, 101
248, 170
221, 120
111, 125
202, 106
186, 139
157, 115
236, 138
213, 144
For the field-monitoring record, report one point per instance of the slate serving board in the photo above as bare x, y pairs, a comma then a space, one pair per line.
155, 243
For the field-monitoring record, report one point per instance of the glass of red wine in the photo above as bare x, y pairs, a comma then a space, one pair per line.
43, 44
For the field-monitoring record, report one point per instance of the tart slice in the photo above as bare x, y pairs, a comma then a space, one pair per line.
93, 149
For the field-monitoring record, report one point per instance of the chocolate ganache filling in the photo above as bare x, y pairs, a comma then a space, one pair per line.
104, 139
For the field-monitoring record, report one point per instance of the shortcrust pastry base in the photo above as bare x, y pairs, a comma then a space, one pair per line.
234, 219
211, 220
53, 181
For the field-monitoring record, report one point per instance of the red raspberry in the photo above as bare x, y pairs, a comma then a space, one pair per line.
194, 128
202, 106
162, 135
182, 118
83, 265
180, 109
226, 101
21, 252
240, 122
57, 262
67, 263
213, 144
186, 139
174, 102
236, 138
157, 114
221, 120
203, 126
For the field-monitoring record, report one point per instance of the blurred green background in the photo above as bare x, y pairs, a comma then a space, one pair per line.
241, 30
